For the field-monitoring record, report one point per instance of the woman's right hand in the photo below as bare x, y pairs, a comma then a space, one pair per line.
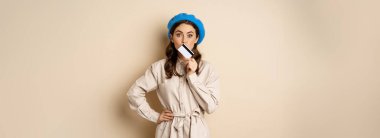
165, 115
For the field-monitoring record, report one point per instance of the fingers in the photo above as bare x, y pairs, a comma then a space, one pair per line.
166, 110
191, 65
166, 119
166, 115
169, 114
187, 62
190, 60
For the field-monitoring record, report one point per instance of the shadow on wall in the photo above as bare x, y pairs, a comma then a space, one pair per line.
137, 124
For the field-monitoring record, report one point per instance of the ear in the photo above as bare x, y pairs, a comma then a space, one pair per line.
171, 38
197, 40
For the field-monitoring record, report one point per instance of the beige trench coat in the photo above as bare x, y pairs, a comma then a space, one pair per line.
188, 97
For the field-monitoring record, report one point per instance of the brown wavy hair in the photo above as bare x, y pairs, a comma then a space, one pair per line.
172, 53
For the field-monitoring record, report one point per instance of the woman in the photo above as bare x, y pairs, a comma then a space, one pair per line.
186, 88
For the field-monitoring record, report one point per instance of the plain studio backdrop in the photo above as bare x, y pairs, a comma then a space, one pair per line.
288, 68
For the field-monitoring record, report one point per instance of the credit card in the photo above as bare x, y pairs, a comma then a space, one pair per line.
186, 52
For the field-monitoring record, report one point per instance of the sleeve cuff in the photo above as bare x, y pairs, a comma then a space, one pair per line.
193, 78
154, 117
149, 113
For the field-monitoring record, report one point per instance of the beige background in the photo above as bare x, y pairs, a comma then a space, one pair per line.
289, 69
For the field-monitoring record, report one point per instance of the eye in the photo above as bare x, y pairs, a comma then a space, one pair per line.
190, 35
178, 35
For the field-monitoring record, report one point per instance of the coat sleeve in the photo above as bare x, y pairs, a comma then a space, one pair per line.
206, 93
136, 95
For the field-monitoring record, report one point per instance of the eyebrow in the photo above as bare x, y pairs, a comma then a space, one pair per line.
182, 32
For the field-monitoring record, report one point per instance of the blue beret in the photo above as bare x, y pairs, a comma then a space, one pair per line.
191, 18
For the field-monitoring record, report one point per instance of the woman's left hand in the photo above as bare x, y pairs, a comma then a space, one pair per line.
191, 66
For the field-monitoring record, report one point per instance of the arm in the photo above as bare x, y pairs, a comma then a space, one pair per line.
206, 93
136, 95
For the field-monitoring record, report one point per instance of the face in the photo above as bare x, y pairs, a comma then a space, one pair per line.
184, 34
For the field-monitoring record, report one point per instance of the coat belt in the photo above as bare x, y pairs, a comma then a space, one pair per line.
181, 117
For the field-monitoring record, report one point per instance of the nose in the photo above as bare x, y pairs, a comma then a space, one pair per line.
184, 39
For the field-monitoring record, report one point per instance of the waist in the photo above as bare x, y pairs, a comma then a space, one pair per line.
195, 113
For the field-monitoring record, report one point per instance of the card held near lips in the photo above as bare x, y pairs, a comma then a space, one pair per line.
186, 52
